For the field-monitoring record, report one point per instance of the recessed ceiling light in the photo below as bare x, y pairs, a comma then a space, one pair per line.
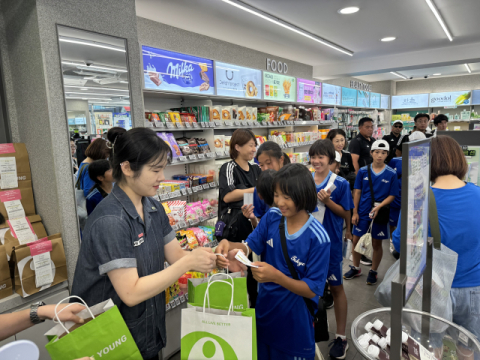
398, 74
389, 38
437, 74
348, 10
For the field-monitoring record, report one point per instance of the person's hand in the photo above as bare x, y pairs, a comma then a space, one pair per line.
324, 196
247, 211
375, 211
66, 312
265, 272
348, 235
202, 260
222, 248
355, 219
233, 264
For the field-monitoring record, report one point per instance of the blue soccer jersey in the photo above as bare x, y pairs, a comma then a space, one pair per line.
396, 164
259, 206
385, 183
283, 319
332, 223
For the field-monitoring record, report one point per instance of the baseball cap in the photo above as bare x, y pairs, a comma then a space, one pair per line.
380, 145
397, 121
338, 158
416, 135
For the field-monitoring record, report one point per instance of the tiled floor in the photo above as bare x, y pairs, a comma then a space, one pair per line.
360, 299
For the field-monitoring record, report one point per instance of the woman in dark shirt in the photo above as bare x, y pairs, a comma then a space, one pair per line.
347, 170
127, 240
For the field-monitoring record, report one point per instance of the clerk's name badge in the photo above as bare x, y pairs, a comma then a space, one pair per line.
140, 241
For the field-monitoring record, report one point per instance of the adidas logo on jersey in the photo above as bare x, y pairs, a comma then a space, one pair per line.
270, 242
332, 278
381, 233
385, 181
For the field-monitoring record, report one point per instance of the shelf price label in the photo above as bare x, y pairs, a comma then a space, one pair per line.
175, 227
220, 153
182, 158
236, 123
170, 126
227, 153
167, 307
203, 125
182, 224
206, 186
179, 125
186, 296
201, 156
218, 123
192, 222
189, 191
202, 218
184, 192
192, 157
213, 213
159, 124
195, 189
188, 125
264, 123
212, 184
210, 155
182, 299
172, 195
164, 197
177, 301
228, 122
195, 125
172, 304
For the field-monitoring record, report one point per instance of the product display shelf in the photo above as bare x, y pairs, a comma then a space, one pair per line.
191, 159
181, 193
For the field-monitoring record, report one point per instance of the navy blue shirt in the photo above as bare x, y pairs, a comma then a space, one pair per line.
396, 164
96, 195
259, 206
115, 237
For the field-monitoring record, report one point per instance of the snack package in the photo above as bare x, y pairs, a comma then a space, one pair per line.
242, 113
192, 142
182, 239
227, 142
227, 114
167, 209
219, 142
216, 113
200, 235
173, 145
191, 239
177, 210
234, 112
209, 232
254, 114
175, 117
184, 147
206, 207
203, 146
249, 113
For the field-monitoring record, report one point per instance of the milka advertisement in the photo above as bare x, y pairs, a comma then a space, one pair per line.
171, 71
238, 81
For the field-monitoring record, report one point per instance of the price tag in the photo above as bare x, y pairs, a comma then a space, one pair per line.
227, 153
257, 123
210, 155
195, 189
167, 307
186, 296
178, 192
236, 123
192, 157
206, 186
189, 191
172, 304
170, 126
202, 218
179, 125
183, 191
220, 153
177, 301
182, 299
148, 124
212, 184
203, 125
212, 124
195, 125
182, 224
175, 227
201, 156
159, 124
218, 123
214, 213
264, 123
228, 122
164, 197
172, 195
182, 158
188, 125
192, 222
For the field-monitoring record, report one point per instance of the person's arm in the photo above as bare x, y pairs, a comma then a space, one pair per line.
229, 190
357, 193
354, 149
336, 208
237, 195
13, 323
385, 202
355, 158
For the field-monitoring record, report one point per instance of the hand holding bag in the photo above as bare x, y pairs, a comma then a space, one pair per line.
383, 215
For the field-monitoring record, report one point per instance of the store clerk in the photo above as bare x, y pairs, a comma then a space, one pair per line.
394, 139
128, 238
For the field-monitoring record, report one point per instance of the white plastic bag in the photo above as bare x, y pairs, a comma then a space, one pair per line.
364, 245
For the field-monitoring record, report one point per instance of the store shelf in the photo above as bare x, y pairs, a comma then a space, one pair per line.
183, 225
188, 192
188, 161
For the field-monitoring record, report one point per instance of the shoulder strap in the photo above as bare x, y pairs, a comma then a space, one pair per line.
293, 272
433, 217
79, 178
370, 182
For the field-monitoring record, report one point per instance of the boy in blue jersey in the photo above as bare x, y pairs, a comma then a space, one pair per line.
334, 207
264, 193
100, 172
385, 188
284, 322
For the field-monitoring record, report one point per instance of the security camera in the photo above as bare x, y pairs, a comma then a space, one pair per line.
426, 76
411, 77
88, 63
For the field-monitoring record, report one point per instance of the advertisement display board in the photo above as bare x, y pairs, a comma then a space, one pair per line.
385, 101
122, 120
476, 97
374, 100
472, 155
456, 98
170, 71
331, 94
279, 87
349, 97
363, 98
237, 81
410, 101
309, 91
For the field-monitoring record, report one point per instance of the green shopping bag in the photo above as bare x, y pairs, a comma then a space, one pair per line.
105, 336
208, 333
220, 294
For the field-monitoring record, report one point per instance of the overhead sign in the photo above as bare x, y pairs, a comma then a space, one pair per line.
277, 66
363, 99
331, 94
309, 91
171, 71
385, 101
476, 97
456, 98
238, 81
279, 87
374, 100
360, 85
349, 97
410, 101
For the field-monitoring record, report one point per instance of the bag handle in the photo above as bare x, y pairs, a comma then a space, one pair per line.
293, 272
56, 319
206, 297
372, 195
370, 228
433, 217
77, 184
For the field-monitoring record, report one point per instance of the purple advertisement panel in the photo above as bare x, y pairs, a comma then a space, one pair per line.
309, 91
170, 71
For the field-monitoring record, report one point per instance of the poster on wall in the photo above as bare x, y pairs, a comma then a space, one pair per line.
238, 81
410, 101
363, 98
122, 120
309, 91
476, 97
80, 121
349, 97
279, 87
374, 100
170, 71
331, 94
456, 98
385, 101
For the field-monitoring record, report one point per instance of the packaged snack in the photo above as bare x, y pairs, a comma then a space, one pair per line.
242, 113
227, 142
200, 235
191, 239
216, 111
182, 239
184, 147
249, 113
177, 210
167, 209
227, 113
234, 112
191, 215
263, 117
163, 117
184, 117
173, 145
175, 117
203, 146
254, 114
206, 207
219, 142
192, 142
206, 117
209, 232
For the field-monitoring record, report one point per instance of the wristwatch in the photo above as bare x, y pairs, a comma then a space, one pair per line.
34, 312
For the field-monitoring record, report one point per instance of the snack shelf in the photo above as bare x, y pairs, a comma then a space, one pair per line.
191, 159
186, 192
234, 124
183, 225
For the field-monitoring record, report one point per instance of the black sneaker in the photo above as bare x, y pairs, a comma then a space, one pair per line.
365, 261
327, 299
339, 348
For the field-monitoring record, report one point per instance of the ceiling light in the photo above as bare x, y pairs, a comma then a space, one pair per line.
85, 67
286, 25
123, 82
90, 43
398, 74
82, 98
438, 74
468, 68
348, 10
83, 89
95, 88
82, 93
389, 38
439, 18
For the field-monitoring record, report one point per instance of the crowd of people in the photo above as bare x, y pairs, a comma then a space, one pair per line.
295, 214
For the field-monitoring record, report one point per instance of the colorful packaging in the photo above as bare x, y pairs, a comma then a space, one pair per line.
216, 113
184, 147
191, 239
253, 114
175, 117
234, 112
227, 113
227, 142
242, 113
219, 142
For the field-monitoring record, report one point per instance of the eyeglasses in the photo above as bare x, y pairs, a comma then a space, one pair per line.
398, 126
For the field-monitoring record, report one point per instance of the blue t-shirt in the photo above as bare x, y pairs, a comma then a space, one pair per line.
93, 199
283, 319
259, 206
86, 183
459, 229
332, 223
385, 183
396, 164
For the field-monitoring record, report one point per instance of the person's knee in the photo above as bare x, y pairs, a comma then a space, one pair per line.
376, 244
337, 290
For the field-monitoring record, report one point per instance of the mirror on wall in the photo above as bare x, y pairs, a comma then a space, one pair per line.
97, 97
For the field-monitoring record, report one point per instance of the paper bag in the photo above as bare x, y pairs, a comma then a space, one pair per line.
19, 152
5, 279
10, 241
24, 277
24, 194
104, 335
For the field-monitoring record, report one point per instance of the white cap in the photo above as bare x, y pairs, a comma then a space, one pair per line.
338, 157
397, 121
364, 343
383, 343
416, 135
388, 340
380, 145
374, 351
404, 337
376, 338
389, 331
378, 324
368, 326
368, 335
